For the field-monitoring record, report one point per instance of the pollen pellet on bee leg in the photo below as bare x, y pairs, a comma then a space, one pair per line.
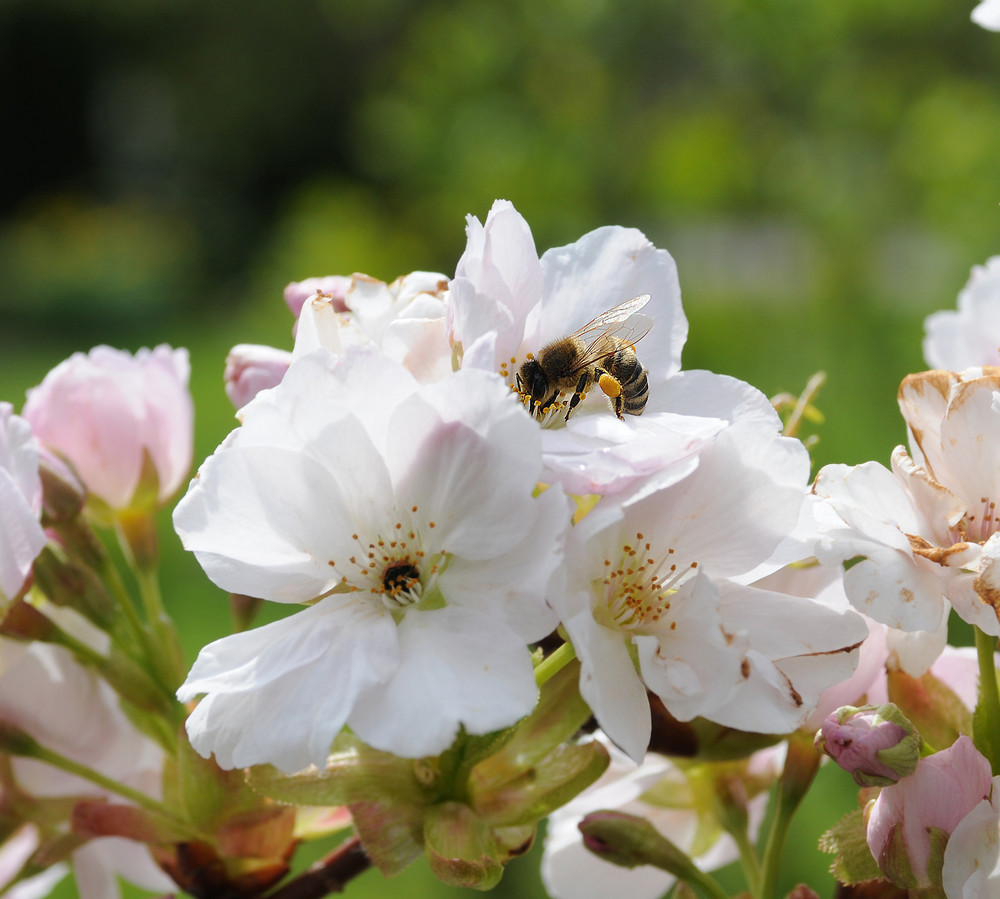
610, 385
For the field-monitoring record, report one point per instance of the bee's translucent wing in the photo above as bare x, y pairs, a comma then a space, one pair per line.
613, 316
612, 324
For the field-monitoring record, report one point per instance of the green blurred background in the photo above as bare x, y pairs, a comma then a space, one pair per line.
824, 173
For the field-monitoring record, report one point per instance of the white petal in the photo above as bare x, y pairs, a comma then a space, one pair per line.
269, 522
281, 693
987, 15
601, 270
457, 667
891, 587
610, 685
692, 665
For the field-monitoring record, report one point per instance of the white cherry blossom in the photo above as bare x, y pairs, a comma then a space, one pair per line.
571, 871
969, 336
657, 578
405, 516
927, 530
405, 320
506, 304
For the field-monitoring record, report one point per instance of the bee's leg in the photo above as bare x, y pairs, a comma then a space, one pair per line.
581, 385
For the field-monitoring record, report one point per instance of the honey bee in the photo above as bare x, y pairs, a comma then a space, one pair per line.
601, 353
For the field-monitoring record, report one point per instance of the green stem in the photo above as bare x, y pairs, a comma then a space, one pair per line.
554, 663
170, 661
801, 765
155, 808
751, 863
986, 726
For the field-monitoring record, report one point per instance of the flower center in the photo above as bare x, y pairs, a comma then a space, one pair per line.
979, 528
640, 584
395, 568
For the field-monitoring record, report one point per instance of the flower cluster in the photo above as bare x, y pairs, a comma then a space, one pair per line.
527, 566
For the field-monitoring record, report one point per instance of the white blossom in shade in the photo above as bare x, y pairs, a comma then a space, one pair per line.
571, 871
505, 303
110, 414
16, 850
972, 857
68, 708
927, 530
21, 535
969, 336
405, 515
987, 15
251, 368
657, 577
405, 320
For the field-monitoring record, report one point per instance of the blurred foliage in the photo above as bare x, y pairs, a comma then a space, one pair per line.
825, 177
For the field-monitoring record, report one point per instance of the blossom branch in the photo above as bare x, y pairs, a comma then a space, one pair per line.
329, 875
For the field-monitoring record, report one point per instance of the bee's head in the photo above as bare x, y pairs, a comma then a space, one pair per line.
531, 380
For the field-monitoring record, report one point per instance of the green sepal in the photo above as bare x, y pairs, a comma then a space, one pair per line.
354, 772
932, 707
550, 784
461, 848
854, 862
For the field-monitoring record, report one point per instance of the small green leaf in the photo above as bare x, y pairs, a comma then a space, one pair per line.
846, 840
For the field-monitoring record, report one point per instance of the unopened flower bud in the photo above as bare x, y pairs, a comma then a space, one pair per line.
877, 745
251, 368
123, 422
63, 495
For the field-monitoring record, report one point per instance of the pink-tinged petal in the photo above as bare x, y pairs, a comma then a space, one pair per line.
972, 857
958, 669
421, 345
106, 410
602, 269
333, 286
15, 851
457, 668
280, 693
945, 787
251, 369
610, 684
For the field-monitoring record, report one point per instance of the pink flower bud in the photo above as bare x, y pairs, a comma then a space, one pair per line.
333, 286
251, 368
123, 422
877, 745
21, 535
910, 821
